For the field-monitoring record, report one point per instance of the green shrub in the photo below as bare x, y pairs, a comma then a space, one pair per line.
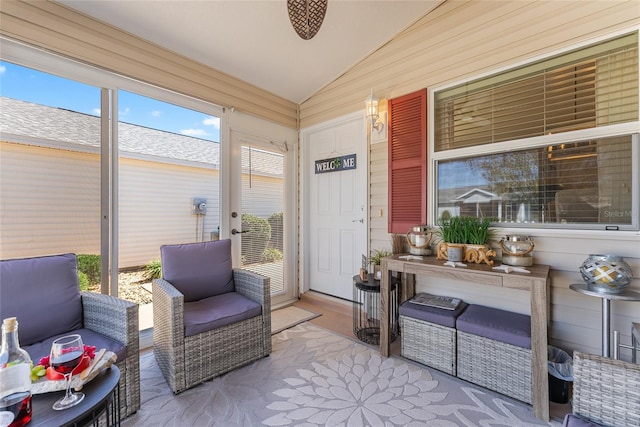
83, 281
271, 255
90, 265
153, 270
256, 238
276, 221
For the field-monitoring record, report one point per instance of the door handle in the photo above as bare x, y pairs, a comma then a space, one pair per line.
361, 220
234, 231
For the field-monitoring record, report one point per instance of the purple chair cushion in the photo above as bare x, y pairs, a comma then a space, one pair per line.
571, 420
439, 316
89, 337
198, 270
44, 295
220, 310
496, 324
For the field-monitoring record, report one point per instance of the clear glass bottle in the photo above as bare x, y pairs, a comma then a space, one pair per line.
15, 378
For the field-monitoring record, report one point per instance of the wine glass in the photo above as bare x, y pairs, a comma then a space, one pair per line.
66, 354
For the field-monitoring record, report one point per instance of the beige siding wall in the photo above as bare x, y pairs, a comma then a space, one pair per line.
51, 203
156, 207
460, 39
39, 188
55, 27
466, 39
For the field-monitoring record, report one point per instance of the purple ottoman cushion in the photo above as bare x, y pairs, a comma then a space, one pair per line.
496, 324
439, 316
198, 270
41, 291
571, 420
220, 310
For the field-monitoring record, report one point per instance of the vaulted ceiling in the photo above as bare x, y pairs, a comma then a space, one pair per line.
253, 40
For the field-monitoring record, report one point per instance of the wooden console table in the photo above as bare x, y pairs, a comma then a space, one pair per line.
536, 283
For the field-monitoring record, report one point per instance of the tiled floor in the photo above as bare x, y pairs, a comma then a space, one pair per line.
337, 314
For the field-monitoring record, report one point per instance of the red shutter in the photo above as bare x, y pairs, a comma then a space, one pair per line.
407, 161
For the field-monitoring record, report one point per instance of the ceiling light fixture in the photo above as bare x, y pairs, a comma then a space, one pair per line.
306, 16
372, 111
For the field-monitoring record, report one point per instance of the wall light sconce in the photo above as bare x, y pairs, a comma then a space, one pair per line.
372, 111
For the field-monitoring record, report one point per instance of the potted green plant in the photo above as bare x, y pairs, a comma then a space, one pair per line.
465, 238
376, 259
453, 235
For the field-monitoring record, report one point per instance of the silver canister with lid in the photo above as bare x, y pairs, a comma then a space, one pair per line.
517, 250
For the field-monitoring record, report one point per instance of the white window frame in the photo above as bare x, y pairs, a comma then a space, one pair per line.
631, 128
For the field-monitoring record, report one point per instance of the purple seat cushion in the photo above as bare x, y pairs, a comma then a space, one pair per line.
198, 270
220, 310
44, 295
89, 337
496, 324
439, 316
571, 420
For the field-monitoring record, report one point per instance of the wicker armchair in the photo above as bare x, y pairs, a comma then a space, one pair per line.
605, 391
44, 295
208, 318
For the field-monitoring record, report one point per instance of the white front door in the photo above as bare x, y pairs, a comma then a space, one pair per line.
336, 205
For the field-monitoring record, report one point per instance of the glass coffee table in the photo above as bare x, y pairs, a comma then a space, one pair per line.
102, 396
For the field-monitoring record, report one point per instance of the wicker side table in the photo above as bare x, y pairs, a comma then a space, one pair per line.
366, 310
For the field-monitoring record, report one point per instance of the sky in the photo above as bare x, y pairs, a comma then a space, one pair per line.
26, 84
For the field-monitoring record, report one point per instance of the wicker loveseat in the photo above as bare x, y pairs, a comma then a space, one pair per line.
208, 318
606, 392
44, 295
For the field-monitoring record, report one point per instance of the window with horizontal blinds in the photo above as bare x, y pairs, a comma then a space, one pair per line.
587, 183
407, 161
586, 88
574, 118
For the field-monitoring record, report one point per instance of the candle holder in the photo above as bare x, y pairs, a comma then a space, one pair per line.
606, 273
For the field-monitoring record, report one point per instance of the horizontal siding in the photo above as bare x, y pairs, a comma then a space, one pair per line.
51, 204
55, 27
462, 39
155, 208
378, 197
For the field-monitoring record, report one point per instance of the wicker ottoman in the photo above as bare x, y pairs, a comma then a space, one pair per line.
494, 350
429, 335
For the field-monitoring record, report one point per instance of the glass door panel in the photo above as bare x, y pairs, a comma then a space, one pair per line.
260, 214
168, 184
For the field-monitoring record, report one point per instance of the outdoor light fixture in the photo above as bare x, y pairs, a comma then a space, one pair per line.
306, 16
372, 111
